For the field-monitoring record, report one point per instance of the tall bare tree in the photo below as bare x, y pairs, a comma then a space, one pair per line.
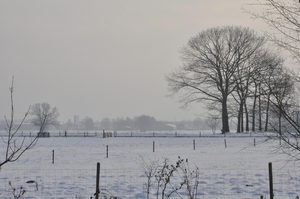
44, 116
210, 60
15, 146
283, 17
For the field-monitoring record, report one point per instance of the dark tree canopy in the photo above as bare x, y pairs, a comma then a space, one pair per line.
145, 123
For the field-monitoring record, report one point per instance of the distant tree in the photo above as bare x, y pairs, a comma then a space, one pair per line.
106, 123
213, 122
88, 123
210, 61
145, 123
44, 116
123, 124
15, 147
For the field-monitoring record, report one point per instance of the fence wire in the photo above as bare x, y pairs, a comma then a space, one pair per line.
132, 184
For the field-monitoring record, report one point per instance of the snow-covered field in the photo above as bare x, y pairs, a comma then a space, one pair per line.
238, 171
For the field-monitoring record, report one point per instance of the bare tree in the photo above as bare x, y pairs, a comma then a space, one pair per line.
283, 17
15, 147
210, 60
44, 116
213, 122
150, 171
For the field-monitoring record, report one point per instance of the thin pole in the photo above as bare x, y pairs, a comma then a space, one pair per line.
52, 156
271, 181
106, 151
194, 144
97, 181
153, 146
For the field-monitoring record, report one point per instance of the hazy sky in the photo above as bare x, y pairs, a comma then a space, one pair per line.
103, 58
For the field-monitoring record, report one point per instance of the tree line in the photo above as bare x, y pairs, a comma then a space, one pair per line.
139, 123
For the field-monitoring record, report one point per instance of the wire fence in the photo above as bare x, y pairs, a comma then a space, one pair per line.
107, 134
132, 184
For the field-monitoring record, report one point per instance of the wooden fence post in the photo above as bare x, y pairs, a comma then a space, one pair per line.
97, 181
194, 144
271, 181
153, 146
52, 156
106, 151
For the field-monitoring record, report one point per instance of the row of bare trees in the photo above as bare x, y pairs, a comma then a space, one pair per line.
283, 18
232, 70
235, 73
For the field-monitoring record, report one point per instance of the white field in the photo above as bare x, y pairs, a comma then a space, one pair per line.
238, 171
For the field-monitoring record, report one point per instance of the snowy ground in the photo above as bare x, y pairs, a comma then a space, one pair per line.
238, 171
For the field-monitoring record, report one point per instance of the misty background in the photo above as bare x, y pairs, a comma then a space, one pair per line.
104, 59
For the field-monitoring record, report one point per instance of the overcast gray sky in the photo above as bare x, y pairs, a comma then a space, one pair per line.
103, 58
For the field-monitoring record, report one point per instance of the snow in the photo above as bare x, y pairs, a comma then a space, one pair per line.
238, 171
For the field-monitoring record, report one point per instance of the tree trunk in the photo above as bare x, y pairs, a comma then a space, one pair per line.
238, 128
225, 122
247, 117
242, 117
267, 113
259, 111
253, 111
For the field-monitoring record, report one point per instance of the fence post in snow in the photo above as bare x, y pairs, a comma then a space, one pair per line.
254, 142
194, 144
271, 181
153, 146
106, 151
97, 181
225, 143
52, 156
